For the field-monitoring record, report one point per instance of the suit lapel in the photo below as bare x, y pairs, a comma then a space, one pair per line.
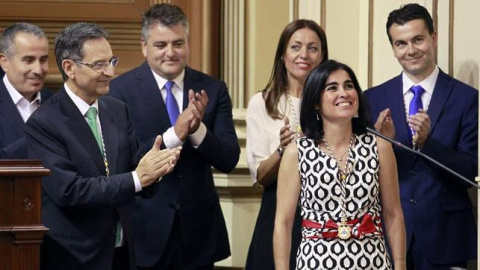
441, 92
110, 135
188, 83
152, 97
77, 124
9, 110
397, 106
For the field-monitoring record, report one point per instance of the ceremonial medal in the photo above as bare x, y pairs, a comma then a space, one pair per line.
298, 129
344, 231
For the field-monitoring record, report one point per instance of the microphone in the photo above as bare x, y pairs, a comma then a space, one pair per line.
459, 176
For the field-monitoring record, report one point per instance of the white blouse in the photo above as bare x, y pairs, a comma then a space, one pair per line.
263, 132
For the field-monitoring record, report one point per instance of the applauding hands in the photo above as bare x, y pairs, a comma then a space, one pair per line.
157, 163
189, 120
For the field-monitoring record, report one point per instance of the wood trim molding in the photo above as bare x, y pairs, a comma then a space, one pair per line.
370, 44
239, 192
323, 15
296, 9
233, 53
122, 19
55, 10
451, 36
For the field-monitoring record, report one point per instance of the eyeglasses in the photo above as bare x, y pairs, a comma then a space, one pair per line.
102, 65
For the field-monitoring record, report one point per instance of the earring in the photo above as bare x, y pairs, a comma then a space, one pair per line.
318, 117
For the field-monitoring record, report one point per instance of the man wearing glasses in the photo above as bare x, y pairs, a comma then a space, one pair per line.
24, 57
88, 142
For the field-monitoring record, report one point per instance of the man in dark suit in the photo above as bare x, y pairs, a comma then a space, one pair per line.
86, 199
438, 212
23, 56
183, 225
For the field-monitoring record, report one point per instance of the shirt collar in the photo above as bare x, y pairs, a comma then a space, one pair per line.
80, 103
15, 95
162, 81
428, 84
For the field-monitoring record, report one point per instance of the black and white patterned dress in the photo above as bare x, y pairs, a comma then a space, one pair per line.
321, 209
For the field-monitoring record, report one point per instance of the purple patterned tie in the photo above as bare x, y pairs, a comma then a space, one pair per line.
172, 106
416, 102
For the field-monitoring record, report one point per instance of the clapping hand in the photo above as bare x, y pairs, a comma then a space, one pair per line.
197, 102
157, 163
286, 134
420, 123
189, 120
385, 124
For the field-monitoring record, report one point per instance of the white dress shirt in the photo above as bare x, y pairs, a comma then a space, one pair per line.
24, 106
83, 107
428, 85
170, 138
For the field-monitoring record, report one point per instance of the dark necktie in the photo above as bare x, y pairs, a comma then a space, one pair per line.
416, 102
172, 106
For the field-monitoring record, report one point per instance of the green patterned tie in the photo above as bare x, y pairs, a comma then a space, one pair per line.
92, 123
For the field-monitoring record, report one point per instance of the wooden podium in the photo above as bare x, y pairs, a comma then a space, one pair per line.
21, 229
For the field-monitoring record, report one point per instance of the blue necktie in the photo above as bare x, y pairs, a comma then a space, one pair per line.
416, 102
172, 106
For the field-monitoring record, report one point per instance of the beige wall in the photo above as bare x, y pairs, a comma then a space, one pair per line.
351, 26
466, 42
265, 22
356, 36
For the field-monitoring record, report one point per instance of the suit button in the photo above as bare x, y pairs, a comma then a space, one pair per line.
413, 201
412, 172
179, 175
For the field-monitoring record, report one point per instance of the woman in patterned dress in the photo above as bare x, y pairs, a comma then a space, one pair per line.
272, 122
346, 179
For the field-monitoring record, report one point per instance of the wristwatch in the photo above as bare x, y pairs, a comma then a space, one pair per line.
280, 150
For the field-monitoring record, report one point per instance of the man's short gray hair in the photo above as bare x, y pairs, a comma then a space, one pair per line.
69, 42
164, 14
8, 36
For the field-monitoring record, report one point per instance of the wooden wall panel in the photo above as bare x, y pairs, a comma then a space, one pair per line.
88, 10
122, 18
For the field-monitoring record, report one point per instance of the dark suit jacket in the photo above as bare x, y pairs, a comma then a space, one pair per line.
190, 187
80, 205
436, 206
12, 127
